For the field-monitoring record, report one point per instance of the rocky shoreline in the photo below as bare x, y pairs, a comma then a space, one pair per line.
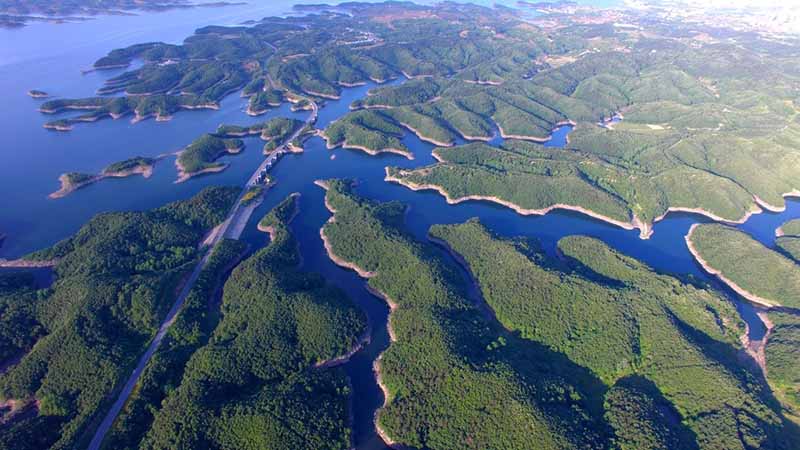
730, 283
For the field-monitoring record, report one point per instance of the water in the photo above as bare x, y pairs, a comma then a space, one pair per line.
49, 57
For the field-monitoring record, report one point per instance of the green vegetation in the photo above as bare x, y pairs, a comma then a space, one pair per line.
369, 130
262, 101
788, 239
204, 151
453, 376
766, 275
160, 106
191, 330
642, 419
617, 317
136, 163
275, 131
783, 359
77, 178
711, 117
253, 385
19, 324
522, 173
116, 278
253, 194
791, 228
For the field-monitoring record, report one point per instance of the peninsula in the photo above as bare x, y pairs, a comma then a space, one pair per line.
755, 272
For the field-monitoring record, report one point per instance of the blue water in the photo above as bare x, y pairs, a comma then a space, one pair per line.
49, 57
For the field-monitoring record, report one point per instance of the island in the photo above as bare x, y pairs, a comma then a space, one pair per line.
35, 93
141, 107
621, 344
72, 181
201, 155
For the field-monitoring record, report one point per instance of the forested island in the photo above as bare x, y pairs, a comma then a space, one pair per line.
275, 132
72, 181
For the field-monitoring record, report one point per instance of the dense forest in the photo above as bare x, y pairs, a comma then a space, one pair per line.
453, 377
647, 360
75, 340
762, 274
650, 338
254, 381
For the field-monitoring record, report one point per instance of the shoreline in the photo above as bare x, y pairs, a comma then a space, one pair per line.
646, 230
777, 209
376, 365
757, 348
68, 188
635, 223
424, 138
407, 154
183, 175
730, 283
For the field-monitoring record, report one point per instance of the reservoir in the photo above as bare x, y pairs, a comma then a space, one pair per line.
50, 57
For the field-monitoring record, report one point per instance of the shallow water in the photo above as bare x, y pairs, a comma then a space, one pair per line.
49, 57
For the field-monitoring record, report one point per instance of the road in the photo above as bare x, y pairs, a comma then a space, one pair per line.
231, 228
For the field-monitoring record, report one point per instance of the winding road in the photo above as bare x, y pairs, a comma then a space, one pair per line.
231, 228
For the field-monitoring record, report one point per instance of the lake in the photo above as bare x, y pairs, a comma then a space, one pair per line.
50, 57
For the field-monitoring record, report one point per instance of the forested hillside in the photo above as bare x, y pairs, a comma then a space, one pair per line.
115, 279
